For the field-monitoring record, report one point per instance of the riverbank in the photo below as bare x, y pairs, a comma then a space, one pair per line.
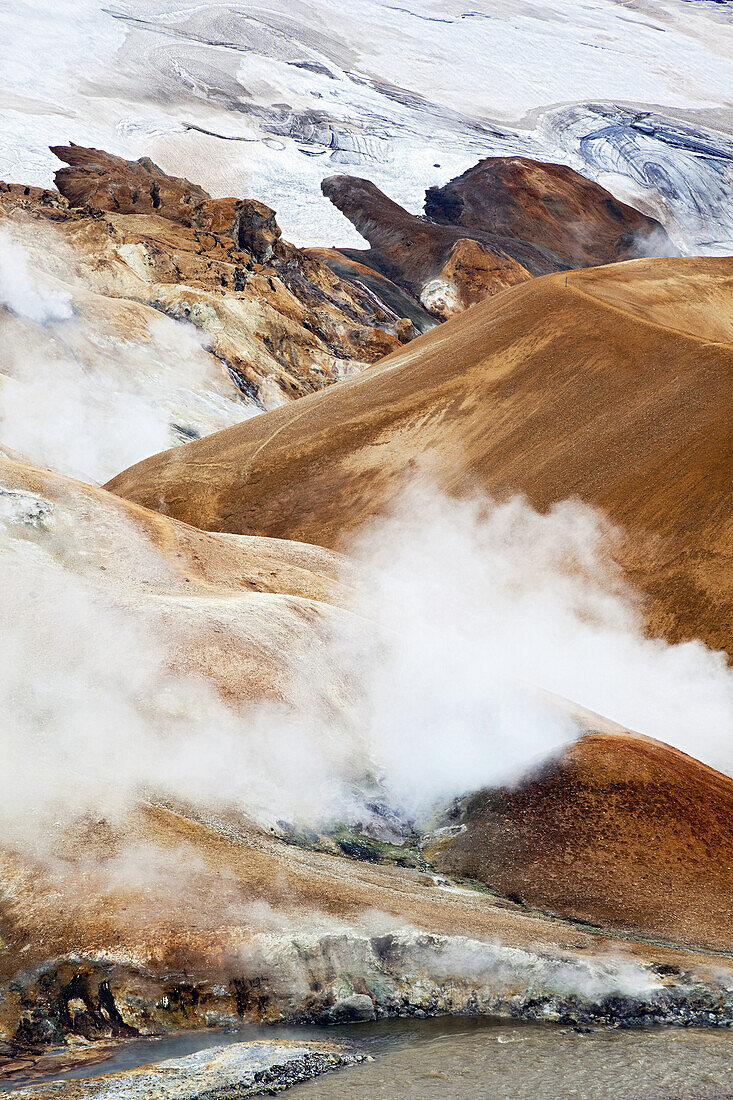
238, 1070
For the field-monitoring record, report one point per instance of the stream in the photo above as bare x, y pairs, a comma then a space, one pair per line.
475, 1058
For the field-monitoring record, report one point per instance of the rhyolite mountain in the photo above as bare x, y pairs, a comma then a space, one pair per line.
610, 385
501, 222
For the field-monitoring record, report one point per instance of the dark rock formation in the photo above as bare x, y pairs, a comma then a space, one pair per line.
416, 253
501, 222
404, 304
255, 230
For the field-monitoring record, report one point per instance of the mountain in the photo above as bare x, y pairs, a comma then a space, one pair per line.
198, 826
610, 385
573, 221
500, 223
437, 264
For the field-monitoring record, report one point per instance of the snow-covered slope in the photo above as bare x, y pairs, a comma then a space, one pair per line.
267, 99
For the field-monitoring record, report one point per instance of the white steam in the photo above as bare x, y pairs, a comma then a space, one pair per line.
484, 607
94, 721
88, 385
656, 243
24, 295
466, 614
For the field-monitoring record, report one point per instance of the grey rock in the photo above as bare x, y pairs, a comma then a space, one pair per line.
217, 1073
352, 1009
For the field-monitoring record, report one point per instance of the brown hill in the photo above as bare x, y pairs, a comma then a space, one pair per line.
611, 385
501, 222
577, 222
620, 830
233, 925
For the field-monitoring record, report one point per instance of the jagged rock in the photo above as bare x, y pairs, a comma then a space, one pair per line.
405, 330
102, 181
279, 319
412, 973
255, 230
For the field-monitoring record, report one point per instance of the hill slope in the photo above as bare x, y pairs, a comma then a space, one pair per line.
621, 831
611, 385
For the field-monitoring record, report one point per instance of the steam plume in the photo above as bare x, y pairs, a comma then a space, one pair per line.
433, 685
91, 385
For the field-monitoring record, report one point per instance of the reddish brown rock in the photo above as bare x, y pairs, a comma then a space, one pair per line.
104, 182
415, 252
25, 196
574, 221
501, 222
471, 273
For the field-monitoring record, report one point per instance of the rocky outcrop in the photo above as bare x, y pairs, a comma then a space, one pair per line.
310, 979
400, 300
344, 976
572, 220
255, 230
102, 181
503, 221
619, 831
470, 273
609, 385
281, 322
445, 272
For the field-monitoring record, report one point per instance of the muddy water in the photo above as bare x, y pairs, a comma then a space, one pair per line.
484, 1059
536, 1062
